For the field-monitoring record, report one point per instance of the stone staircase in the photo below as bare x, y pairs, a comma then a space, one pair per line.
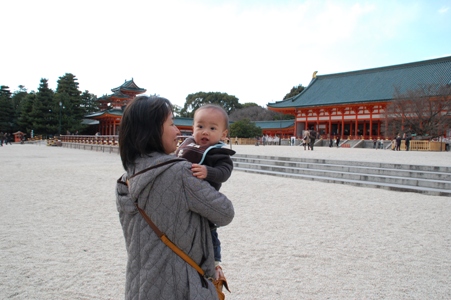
430, 180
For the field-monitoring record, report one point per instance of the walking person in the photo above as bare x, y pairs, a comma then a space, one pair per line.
398, 143
407, 139
312, 138
338, 141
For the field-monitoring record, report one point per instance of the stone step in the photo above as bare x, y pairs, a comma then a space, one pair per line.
420, 179
349, 167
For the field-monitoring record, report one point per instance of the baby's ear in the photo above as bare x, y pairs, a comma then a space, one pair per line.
224, 134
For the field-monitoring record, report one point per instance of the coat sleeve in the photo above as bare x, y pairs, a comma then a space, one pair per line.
221, 171
203, 199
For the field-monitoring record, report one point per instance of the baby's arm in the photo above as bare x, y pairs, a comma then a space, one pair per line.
221, 170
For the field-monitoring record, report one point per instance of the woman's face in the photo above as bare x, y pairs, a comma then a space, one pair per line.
170, 133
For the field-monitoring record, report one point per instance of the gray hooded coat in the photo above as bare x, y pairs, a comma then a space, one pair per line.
180, 205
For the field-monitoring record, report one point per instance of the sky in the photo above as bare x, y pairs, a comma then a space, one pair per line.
255, 50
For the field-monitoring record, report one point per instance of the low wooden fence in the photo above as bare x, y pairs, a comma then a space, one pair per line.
424, 146
112, 140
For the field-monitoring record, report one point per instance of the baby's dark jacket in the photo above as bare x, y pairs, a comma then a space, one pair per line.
216, 159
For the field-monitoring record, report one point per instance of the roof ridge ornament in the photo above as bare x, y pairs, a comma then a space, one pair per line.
314, 74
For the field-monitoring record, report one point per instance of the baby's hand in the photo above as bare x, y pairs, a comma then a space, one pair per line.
199, 171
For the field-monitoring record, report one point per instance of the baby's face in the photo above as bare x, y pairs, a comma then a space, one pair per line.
209, 127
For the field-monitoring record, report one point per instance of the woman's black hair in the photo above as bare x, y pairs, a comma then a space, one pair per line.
142, 128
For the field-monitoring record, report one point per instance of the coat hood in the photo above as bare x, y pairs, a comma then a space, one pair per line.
132, 183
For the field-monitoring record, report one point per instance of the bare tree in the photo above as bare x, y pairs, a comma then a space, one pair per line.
424, 111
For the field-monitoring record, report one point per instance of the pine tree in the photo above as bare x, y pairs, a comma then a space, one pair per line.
6, 110
43, 116
17, 98
89, 102
25, 120
69, 96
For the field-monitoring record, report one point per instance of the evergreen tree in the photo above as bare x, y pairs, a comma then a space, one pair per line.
6, 110
43, 116
89, 102
245, 129
17, 98
294, 91
72, 110
25, 120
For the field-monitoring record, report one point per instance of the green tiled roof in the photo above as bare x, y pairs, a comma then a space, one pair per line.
370, 85
119, 95
113, 111
129, 86
179, 121
274, 124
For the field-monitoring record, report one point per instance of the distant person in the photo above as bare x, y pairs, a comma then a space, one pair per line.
331, 141
375, 143
338, 141
407, 137
398, 143
236, 140
312, 138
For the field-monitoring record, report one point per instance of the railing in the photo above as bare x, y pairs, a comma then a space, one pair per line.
111, 140
424, 146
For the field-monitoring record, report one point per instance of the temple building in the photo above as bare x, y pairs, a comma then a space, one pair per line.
111, 107
351, 104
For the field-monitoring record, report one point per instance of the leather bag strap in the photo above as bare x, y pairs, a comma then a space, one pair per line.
169, 243
159, 233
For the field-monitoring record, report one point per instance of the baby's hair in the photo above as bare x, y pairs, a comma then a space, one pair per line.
217, 108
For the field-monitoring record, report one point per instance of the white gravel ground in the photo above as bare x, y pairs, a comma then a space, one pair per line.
60, 236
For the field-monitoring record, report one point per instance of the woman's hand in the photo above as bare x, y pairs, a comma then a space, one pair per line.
219, 274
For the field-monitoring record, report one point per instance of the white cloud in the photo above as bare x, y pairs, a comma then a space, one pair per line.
255, 51
443, 10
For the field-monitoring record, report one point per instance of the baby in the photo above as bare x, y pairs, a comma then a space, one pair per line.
205, 150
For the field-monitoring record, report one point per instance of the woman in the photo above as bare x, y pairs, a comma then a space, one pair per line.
178, 203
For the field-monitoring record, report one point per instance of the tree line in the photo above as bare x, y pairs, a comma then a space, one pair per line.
424, 111
47, 112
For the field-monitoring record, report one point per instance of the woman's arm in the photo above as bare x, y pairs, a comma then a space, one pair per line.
203, 199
